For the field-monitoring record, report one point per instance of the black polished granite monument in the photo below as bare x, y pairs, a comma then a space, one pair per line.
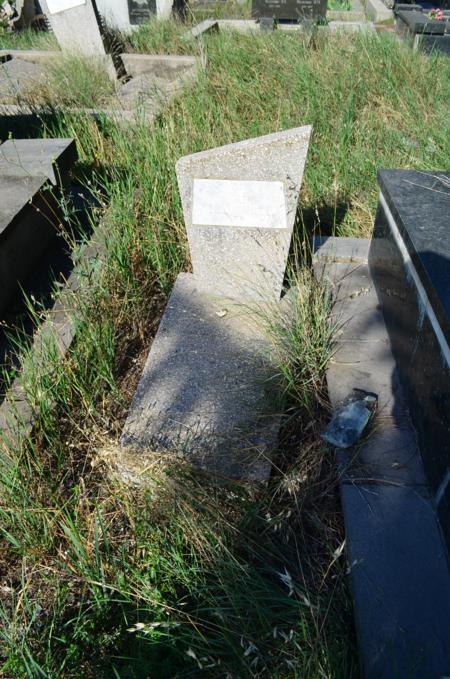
410, 263
289, 10
413, 23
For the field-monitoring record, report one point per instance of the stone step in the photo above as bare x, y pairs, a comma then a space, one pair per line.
397, 560
202, 393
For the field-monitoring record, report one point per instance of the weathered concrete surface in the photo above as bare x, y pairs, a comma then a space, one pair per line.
350, 26
397, 560
145, 92
156, 79
77, 29
35, 56
202, 391
238, 247
206, 26
346, 16
167, 66
17, 76
344, 21
51, 158
377, 11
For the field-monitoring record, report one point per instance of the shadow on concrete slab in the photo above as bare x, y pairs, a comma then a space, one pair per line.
204, 391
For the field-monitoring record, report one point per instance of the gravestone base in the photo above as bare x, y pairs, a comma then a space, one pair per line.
203, 393
289, 10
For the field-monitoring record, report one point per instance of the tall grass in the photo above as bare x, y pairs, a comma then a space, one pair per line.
75, 81
211, 581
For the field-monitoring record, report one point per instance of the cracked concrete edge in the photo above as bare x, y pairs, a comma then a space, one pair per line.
199, 30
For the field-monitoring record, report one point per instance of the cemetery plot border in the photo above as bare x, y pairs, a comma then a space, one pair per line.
139, 97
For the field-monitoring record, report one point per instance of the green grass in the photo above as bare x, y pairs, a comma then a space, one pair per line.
28, 39
340, 5
212, 581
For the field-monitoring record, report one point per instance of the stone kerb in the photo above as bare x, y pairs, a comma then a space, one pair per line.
240, 203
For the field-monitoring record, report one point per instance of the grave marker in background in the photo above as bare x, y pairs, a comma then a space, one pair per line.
126, 14
76, 26
289, 10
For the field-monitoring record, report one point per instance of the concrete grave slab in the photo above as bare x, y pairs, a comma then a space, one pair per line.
155, 80
17, 76
206, 26
30, 216
377, 12
52, 158
239, 204
202, 392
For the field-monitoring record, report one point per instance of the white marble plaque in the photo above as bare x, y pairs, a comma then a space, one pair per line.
55, 6
224, 202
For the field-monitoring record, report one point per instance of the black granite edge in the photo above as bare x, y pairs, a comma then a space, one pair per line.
420, 23
436, 304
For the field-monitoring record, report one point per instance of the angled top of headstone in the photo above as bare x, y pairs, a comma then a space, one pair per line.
51, 158
240, 203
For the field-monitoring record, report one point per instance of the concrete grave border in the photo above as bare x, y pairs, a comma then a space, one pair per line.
136, 64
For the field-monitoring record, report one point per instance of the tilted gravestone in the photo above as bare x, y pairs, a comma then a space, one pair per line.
289, 10
204, 389
239, 204
76, 26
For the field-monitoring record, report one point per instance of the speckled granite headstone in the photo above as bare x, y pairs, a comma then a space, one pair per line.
239, 204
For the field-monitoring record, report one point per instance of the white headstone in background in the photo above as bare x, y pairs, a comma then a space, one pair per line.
126, 15
55, 6
76, 28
